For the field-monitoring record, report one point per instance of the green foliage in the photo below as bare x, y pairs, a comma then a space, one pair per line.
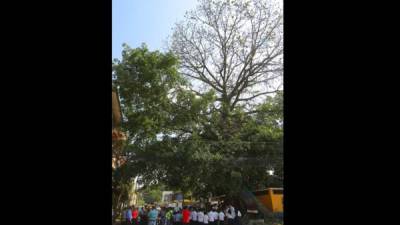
152, 194
183, 140
145, 80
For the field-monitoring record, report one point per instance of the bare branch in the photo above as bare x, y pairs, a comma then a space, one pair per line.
255, 96
234, 48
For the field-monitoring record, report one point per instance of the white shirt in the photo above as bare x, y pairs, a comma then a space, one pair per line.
221, 216
228, 215
200, 217
215, 214
239, 214
205, 219
193, 216
233, 212
211, 216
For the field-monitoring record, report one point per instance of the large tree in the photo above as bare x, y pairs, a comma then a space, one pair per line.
234, 47
204, 140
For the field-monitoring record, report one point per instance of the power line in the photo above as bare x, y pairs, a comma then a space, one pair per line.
212, 141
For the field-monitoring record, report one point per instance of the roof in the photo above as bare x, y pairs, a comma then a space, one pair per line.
268, 189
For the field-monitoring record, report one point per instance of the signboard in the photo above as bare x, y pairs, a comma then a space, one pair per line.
178, 197
167, 196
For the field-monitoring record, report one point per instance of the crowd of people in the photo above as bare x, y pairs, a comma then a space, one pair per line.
224, 215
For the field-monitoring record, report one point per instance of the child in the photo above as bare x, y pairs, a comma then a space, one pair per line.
193, 216
135, 215
128, 216
177, 218
221, 217
168, 216
205, 219
200, 217
211, 217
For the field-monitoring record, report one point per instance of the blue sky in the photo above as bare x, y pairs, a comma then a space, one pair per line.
149, 21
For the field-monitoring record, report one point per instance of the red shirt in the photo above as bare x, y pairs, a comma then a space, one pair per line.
135, 214
185, 216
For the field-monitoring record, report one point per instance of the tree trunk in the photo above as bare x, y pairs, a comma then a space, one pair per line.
225, 118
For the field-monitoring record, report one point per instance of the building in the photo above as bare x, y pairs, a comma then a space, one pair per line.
118, 140
117, 134
118, 137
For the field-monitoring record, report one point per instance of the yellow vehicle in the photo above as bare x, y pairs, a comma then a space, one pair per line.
271, 198
187, 202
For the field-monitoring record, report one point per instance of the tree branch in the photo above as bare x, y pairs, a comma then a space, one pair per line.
255, 96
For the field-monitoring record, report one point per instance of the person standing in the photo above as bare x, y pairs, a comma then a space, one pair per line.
229, 215
169, 216
124, 215
233, 213
174, 219
238, 217
200, 217
205, 219
215, 216
162, 216
152, 216
221, 217
211, 217
178, 218
143, 216
135, 215
185, 216
128, 216
193, 216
